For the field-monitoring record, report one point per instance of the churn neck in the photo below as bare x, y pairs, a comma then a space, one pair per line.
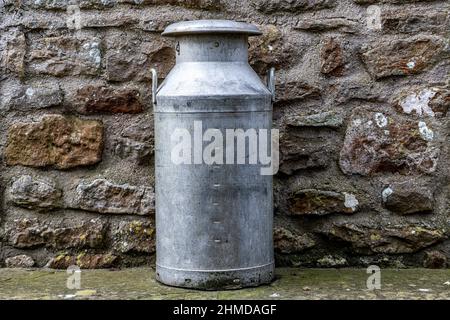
211, 40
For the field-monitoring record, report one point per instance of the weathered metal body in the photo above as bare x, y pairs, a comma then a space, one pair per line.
213, 222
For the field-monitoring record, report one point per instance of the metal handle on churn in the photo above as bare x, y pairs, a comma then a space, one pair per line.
271, 82
154, 84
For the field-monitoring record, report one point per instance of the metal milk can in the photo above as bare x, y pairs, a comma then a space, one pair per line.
214, 220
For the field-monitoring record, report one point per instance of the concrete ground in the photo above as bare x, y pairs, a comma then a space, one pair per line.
291, 283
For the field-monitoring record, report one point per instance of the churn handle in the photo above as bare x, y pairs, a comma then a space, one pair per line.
154, 84
271, 82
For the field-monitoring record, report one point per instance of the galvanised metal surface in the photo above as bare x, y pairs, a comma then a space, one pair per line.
213, 222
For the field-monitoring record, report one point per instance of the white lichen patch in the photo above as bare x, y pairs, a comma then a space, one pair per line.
411, 64
386, 193
418, 102
29, 92
426, 133
350, 201
93, 52
108, 2
380, 120
356, 122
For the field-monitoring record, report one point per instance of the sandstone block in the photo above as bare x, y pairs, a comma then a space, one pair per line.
375, 142
322, 202
35, 193
105, 197
62, 142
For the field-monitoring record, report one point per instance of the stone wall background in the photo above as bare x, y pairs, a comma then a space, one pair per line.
362, 100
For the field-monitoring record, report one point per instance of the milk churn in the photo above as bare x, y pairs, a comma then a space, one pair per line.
214, 219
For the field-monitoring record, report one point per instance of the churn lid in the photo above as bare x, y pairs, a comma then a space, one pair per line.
210, 26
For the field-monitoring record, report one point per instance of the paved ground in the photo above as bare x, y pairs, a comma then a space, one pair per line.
290, 284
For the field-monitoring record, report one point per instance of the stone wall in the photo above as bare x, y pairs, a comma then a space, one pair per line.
362, 100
